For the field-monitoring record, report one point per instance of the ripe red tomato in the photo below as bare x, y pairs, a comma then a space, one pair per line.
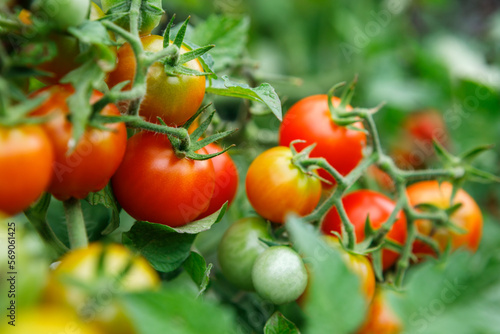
380, 318
310, 120
173, 98
361, 204
153, 185
96, 156
276, 187
226, 180
26, 158
467, 217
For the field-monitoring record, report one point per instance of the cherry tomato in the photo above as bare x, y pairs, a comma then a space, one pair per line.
85, 284
148, 20
173, 98
359, 264
63, 13
468, 217
414, 148
361, 204
226, 180
380, 318
279, 275
96, 156
239, 248
153, 185
275, 186
21, 180
310, 120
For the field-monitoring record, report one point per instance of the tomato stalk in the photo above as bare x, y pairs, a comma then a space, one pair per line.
456, 170
76, 223
36, 215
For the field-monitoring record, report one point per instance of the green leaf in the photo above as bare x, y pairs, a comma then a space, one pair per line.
203, 224
229, 35
334, 303
175, 312
464, 287
198, 270
264, 93
165, 249
278, 324
106, 198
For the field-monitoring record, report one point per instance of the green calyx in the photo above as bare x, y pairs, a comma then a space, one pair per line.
174, 61
301, 160
188, 147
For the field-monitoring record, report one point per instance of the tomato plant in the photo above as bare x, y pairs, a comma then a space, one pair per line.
275, 186
22, 180
83, 277
361, 205
226, 180
173, 98
239, 248
279, 275
76, 174
153, 184
467, 217
310, 120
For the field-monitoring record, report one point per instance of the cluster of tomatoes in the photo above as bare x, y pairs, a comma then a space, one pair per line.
276, 185
150, 181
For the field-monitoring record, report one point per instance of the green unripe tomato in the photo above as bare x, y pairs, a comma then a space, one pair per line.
149, 17
239, 248
279, 275
62, 13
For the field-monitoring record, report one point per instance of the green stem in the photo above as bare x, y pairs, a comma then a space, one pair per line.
134, 13
37, 217
372, 129
76, 224
180, 133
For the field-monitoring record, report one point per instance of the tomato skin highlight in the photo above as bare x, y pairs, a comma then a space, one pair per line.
380, 319
467, 217
173, 98
226, 180
26, 158
276, 187
96, 156
279, 275
239, 248
310, 120
153, 185
360, 204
